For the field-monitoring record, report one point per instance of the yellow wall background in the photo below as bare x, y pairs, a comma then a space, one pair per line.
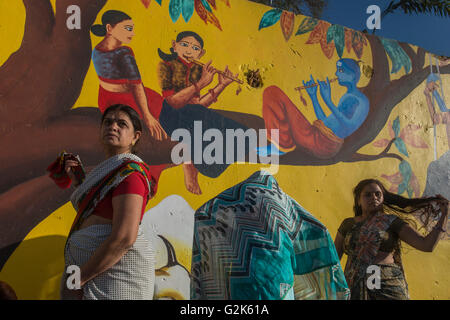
35, 267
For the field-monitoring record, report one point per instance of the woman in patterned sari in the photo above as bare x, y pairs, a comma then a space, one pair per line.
106, 240
371, 239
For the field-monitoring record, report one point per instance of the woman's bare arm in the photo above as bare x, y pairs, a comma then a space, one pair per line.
429, 242
127, 210
339, 244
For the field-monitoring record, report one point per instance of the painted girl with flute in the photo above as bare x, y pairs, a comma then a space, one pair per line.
182, 78
325, 136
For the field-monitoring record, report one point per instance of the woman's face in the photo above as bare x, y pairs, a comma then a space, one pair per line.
123, 31
188, 48
371, 198
117, 132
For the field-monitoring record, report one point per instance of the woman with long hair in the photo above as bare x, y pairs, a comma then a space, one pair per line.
106, 240
371, 239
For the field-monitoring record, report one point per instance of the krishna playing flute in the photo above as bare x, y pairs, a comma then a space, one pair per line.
323, 138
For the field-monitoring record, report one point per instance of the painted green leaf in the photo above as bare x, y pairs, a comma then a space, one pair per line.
158, 1
410, 191
270, 18
308, 24
401, 188
401, 146
397, 55
406, 172
206, 5
187, 9
175, 9
336, 33
396, 127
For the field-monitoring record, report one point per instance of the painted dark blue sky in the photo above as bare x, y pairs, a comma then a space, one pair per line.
425, 30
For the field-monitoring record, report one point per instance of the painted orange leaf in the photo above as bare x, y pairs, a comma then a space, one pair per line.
212, 19
408, 135
358, 42
212, 3
393, 189
381, 143
146, 3
327, 48
395, 179
348, 39
287, 24
201, 11
319, 33
391, 131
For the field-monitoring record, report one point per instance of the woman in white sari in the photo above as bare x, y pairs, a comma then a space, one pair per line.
106, 240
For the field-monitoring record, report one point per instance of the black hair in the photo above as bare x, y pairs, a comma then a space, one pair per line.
397, 204
132, 114
180, 36
111, 17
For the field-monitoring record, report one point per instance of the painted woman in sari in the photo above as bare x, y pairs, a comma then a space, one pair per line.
372, 238
181, 81
106, 240
120, 80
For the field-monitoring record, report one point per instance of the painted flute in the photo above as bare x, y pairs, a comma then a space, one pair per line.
218, 71
313, 85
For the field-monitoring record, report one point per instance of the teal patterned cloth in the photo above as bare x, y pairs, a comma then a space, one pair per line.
254, 242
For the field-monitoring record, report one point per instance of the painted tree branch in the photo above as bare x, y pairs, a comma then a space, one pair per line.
39, 22
39, 84
357, 157
368, 157
380, 65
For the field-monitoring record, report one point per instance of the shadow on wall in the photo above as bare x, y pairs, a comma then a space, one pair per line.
34, 269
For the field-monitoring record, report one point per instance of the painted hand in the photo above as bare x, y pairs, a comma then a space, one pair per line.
313, 90
325, 90
225, 81
207, 77
156, 130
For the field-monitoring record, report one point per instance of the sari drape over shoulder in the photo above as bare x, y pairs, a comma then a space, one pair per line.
133, 276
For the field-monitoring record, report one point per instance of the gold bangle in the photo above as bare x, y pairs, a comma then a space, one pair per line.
213, 95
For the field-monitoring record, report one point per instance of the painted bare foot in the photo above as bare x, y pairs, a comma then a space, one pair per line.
190, 178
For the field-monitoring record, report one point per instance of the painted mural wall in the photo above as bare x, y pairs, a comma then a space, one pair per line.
392, 94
